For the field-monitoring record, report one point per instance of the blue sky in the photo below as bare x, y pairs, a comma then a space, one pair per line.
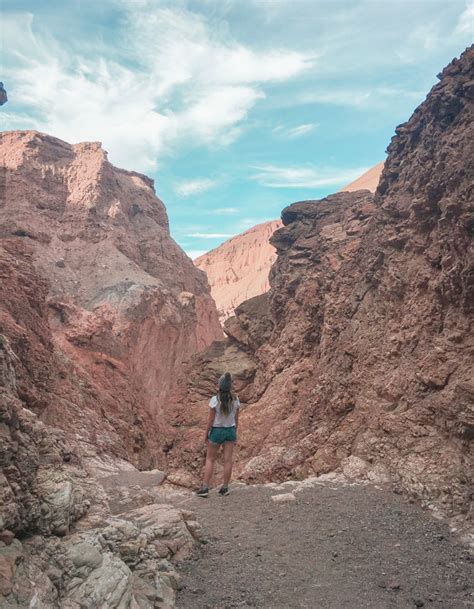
235, 107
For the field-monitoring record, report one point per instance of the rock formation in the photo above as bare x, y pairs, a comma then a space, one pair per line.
99, 309
123, 306
67, 538
3, 95
239, 268
360, 355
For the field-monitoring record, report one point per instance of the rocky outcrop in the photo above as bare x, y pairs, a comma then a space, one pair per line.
64, 538
117, 305
126, 562
363, 358
238, 269
3, 95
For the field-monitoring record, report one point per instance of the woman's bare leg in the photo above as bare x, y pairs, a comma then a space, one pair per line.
210, 459
228, 451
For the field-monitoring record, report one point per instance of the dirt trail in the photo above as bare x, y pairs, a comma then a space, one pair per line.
335, 547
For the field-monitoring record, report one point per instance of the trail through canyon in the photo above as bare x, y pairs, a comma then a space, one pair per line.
334, 546
358, 360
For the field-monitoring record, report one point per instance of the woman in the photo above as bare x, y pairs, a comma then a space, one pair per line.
221, 430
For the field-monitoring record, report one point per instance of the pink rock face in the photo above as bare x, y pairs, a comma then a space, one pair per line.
125, 306
362, 353
367, 181
239, 268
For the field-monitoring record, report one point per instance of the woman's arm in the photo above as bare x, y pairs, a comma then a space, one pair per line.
210, 422
237, 419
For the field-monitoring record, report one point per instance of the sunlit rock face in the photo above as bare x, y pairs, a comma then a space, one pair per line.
367, 181
118, 304
238, 269
362, 349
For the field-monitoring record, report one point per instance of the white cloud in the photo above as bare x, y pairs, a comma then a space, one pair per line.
301, 130
465, 23
295, 132
355, 97
193, 187
214, 117
13, 120
210, 235
305, 177
181, 46
171, 79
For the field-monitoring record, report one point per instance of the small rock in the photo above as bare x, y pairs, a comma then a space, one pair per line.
54, 574
390, 584
7, 536
418, 602
284, 498
85, 554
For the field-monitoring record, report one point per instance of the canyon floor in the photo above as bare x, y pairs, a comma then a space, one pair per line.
335, 546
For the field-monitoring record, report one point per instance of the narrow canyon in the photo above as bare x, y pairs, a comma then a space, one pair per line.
355, 359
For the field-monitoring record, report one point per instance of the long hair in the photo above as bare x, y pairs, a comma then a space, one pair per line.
226, 396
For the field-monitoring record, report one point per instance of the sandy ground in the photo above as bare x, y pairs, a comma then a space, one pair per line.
335, 547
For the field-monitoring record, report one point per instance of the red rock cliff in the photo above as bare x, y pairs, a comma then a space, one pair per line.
361, 354
63, 532
120, 306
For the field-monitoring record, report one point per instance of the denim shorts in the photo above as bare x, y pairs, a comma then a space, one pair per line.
219, 435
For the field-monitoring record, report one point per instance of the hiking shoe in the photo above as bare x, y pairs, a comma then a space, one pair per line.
224, 490
203, 492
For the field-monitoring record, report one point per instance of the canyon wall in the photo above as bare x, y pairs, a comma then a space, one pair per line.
238, 269
65, 539
99, 309
123, 306
360, 356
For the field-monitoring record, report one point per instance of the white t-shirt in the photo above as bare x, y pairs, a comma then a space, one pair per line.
223, 420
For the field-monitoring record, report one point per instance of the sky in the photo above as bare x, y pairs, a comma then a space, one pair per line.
236, 108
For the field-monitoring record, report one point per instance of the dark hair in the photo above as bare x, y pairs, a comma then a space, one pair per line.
225, 395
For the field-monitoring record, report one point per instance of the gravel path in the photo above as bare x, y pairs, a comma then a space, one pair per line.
335, 547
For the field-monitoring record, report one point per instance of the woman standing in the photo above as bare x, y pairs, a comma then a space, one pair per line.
221, 430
